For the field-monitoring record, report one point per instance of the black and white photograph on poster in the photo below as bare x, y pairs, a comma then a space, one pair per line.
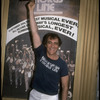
57, 16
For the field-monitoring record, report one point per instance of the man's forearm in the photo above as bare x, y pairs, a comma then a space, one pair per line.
33, 27
64, 94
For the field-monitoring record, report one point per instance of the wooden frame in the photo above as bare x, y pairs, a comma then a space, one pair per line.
87, 56
4, 19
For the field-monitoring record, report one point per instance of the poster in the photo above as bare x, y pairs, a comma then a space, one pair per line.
58, 16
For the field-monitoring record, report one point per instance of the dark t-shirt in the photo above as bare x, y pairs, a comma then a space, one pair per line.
48, 72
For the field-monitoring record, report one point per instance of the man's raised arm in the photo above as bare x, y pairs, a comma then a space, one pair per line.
33, 25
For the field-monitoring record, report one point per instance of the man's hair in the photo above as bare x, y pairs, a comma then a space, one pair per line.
51, 36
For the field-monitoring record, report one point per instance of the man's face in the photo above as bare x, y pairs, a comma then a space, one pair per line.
52, 46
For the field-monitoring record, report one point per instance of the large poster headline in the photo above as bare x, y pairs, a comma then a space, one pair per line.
63, 25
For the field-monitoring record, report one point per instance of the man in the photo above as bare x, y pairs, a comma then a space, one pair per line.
50, 68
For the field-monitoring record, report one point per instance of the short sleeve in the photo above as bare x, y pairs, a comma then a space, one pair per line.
64, 70
40, 50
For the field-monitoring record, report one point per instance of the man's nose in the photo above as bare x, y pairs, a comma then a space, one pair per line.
52, 44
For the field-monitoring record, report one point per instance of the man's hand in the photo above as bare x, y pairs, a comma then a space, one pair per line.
31, 5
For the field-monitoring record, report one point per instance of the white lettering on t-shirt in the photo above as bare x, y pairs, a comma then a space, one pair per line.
49, 65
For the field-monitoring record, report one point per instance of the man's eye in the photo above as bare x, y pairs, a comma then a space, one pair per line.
49, 42
56, 43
